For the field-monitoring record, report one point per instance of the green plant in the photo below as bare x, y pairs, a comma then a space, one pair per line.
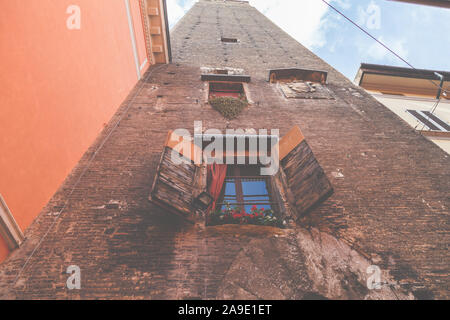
229, 107
257, 216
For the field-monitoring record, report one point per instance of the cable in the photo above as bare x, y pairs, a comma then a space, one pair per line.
150, 72
381, 43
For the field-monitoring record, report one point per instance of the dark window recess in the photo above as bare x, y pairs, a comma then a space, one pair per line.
430, 120
224, 89
229, 40
289, 75
244, 188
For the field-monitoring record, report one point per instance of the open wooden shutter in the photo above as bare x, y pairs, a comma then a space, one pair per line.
307, 183
176, 185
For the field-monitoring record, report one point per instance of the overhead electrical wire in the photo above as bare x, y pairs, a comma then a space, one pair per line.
379, 42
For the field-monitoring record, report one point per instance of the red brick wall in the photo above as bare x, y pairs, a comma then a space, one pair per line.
390, 202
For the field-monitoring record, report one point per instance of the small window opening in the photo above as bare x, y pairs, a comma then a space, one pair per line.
229, 40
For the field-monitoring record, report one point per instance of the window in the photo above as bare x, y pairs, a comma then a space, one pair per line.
224, 89
244, 187
301, 83
228, 98
229, 40
197, 189
430, 120
245, 197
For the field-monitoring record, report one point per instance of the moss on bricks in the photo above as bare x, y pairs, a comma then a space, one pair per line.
229, 107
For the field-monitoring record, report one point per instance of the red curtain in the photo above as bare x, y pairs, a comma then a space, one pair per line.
216, 177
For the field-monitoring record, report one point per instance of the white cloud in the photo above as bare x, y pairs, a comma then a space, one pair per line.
377, 52
303, 20
176, 10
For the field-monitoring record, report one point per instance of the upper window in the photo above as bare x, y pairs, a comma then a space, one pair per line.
224, 89
228, 98
229, 40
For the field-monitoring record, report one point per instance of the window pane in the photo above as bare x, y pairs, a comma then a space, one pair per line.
257, 187
230, 188
254, 191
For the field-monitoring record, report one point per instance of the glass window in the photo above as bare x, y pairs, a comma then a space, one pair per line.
245, 188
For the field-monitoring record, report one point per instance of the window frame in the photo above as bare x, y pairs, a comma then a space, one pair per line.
229, 40
239, 91
238, 178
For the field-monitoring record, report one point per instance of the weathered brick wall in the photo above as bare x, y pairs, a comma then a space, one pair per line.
391, 184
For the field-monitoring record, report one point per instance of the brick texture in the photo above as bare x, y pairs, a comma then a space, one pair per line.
391, 199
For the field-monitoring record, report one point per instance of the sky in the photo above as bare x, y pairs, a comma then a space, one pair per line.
419, 34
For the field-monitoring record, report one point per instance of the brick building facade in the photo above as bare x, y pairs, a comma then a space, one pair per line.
389, 208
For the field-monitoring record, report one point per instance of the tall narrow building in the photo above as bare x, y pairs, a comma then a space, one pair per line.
361, 194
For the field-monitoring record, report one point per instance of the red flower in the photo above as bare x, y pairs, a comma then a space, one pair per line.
254, 208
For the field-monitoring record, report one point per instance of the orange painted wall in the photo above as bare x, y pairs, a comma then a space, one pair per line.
57, 89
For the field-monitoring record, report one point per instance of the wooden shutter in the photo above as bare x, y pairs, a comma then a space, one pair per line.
176, 185
307, 183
